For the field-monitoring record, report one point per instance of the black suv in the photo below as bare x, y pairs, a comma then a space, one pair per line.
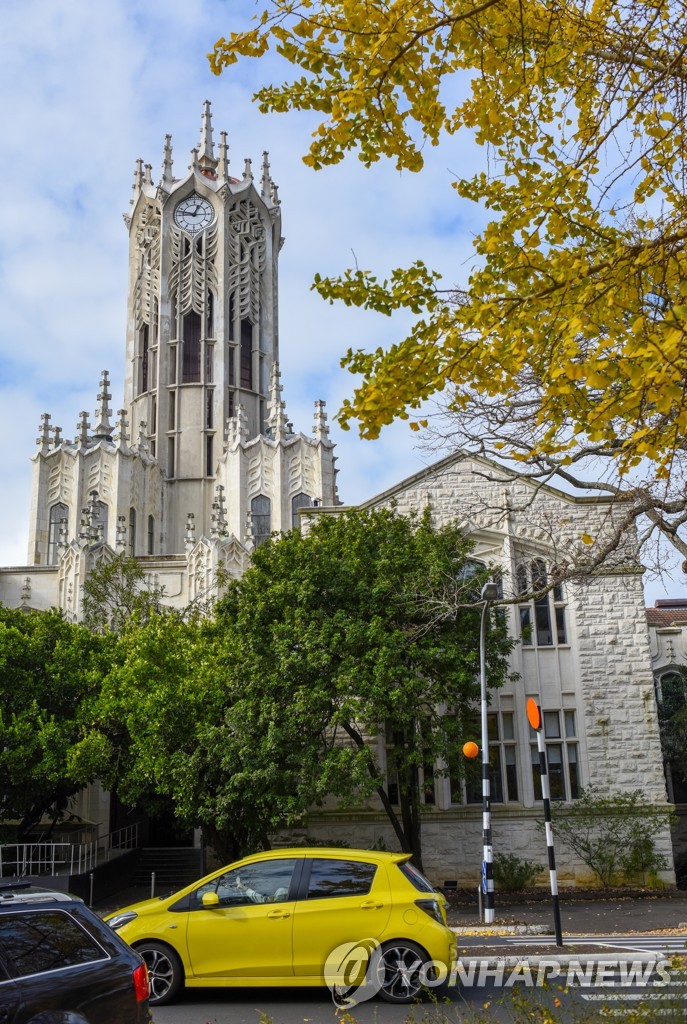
59, 962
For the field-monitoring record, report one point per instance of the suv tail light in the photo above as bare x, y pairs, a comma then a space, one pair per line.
141, 986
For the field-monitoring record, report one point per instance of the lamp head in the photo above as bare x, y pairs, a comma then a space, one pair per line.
490, 591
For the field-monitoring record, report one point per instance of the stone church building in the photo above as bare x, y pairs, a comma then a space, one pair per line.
200, 464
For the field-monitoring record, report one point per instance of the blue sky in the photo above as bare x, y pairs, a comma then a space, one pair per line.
87, 88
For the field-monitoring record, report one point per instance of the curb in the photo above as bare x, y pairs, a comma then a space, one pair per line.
505, 929
564, 960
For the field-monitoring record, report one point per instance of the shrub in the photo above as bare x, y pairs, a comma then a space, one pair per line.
613, 834
512, 873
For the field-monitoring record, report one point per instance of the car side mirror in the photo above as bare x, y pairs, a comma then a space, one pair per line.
210, 899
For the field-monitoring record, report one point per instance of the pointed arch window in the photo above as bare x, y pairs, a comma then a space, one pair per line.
261, 517
190, 349
299, 501
59, 513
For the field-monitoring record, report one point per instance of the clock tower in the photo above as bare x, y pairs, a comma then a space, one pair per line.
202, 456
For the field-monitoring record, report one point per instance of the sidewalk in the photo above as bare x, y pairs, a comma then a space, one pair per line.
598, 916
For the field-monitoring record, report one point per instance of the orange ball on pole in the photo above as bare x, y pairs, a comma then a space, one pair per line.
470, 749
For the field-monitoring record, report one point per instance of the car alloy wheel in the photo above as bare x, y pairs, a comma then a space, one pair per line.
165, 973
399, 971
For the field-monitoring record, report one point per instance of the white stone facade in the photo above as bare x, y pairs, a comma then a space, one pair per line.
590, 673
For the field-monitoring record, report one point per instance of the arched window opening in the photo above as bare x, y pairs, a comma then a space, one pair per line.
261, 516
299, 501
59, 514
151, 535
190, 372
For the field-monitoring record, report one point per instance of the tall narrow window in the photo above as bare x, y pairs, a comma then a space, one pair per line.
561, 756
211, 315
58, 514
172, 419
261, 515
542, 619
231, 363
246, 354
209, 399
209, 467
503, 762
232, 317
230, 404
101, 516
299, 501
132, 532
209, 357
190, 373
145, 352
151, 535
170, 456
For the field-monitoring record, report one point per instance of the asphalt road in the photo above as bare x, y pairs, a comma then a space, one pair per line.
458, 1005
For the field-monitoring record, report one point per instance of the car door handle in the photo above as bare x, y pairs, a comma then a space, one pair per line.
279, 913
371, 905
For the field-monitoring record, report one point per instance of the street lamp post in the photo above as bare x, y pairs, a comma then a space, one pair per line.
490, 592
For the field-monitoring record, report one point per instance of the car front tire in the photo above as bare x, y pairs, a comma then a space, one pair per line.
399, 971
165, 971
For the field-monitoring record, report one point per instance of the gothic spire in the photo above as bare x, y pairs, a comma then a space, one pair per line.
320, 428
82, 428
207, 159
43, 439
276, 409
103, 427
167, 176
223, 166
265, 181
220, 526
121, 436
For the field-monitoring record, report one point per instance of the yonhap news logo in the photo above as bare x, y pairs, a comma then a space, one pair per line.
358, 971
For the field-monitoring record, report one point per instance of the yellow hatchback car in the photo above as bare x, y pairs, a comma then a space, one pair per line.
278, 919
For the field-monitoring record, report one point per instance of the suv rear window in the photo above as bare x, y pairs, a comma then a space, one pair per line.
416, 877
37, 941
330, 878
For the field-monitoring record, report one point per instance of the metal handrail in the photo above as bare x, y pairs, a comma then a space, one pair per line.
19, 859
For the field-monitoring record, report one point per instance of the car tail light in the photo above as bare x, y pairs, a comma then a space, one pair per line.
432, 908
141, 986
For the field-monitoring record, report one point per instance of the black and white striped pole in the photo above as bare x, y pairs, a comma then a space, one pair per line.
534, 717
490, 592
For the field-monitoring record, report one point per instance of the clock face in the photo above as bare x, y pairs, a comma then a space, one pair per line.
193, 214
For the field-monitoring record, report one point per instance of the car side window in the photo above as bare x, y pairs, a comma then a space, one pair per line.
264, 882
330, 878
37, 941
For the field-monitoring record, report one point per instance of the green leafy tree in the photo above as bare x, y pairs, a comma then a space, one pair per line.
117, 592
563, 347
367, 624
49, 669
142, 722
